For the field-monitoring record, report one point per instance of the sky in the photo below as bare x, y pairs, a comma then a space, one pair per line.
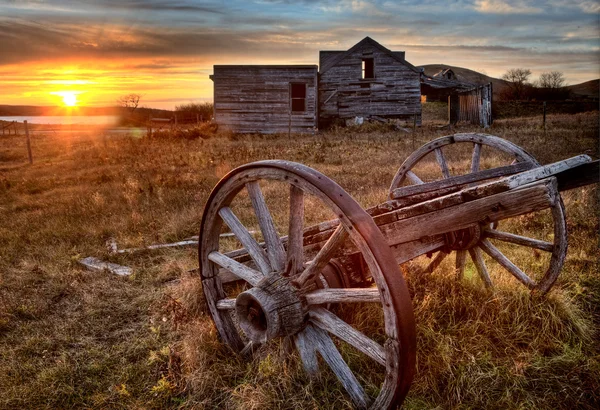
164, 50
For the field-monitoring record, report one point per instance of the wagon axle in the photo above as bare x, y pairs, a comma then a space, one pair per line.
463, 239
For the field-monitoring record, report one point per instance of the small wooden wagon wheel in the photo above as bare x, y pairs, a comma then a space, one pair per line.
483, 236
278, 301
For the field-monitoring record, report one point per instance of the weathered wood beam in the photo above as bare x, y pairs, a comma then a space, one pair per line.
342, 295
489, 209
457, 182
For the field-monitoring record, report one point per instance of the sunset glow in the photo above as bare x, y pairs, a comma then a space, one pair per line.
165, 51
69, 98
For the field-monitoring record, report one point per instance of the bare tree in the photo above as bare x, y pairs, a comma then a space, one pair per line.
517, 79
552, 80
129, 101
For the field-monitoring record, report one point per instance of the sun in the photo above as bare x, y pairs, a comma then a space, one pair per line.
69, 98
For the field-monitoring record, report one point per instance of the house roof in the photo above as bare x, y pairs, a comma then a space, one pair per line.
443, 72
327, 55
278, 66
442, 83
398, 56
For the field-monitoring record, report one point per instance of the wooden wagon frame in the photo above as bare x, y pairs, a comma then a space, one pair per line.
288, 287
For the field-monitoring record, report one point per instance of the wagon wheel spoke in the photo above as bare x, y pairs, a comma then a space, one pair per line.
499, 257
435, 262
226, 304
238, 269
256, 252
249, 349
308, 353
326, 320
477, 259
324, 256
413, 178
519, 240
439, 156
320, 341
295, 253
342, 295
461, 256
275, 251
475, 158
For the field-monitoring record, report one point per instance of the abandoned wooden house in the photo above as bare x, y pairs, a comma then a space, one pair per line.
368, 81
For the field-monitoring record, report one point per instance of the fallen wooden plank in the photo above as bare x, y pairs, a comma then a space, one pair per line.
98, 265
191, 241
159, 246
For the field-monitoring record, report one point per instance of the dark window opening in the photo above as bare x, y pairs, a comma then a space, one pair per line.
368, 68
298, 97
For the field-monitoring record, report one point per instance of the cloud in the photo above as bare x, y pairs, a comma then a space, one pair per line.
505, 7
130, 43
591, 7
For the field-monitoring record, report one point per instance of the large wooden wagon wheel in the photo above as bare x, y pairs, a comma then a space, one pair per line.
486, 237
279, 299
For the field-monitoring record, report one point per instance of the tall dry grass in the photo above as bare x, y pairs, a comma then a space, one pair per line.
70, 338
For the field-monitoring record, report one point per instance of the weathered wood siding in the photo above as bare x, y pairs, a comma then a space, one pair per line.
256, 99
473, 106
395, 91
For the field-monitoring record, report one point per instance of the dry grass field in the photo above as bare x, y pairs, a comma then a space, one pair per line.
70, 338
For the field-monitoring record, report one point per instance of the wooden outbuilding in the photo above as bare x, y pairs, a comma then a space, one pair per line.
266, 98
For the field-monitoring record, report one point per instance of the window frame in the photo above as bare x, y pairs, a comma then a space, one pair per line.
365, 68
292, 98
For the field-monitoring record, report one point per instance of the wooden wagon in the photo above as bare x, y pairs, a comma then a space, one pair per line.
295, 288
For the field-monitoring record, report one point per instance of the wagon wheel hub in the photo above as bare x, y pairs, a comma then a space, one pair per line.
463, 239
271, 309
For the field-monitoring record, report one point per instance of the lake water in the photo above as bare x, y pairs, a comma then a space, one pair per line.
108, 120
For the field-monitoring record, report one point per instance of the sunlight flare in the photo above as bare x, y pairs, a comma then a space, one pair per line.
69, 98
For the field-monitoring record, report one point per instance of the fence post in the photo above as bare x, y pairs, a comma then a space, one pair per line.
28, 142
544, 122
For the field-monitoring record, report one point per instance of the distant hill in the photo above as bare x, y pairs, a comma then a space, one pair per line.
33, 110
588, 90
466, 75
